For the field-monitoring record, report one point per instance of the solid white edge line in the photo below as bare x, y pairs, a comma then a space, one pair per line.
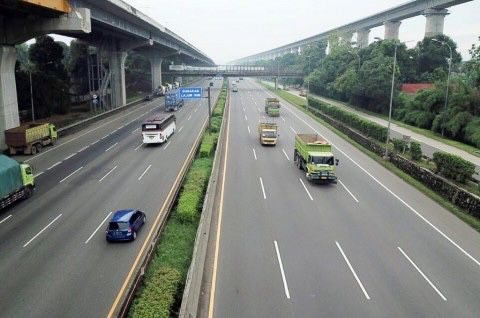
54, 165
39, 174
284, 279
5, 219
305, 187
111, 146
294, 131
71, 174
349, 192
263, 189
285, 153
421, 273
72, 155
254, 153
168, 143
180, 129
84, 148
107, 174
392, 193
141, 176
46, 227
98, 227
248, 127
353, 271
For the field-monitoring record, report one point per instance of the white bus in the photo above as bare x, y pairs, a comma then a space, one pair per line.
158, 129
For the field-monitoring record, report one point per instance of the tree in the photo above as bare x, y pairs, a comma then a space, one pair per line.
433, 55
472, 67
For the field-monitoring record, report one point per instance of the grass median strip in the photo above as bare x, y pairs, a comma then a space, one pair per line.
161, 292
461, 214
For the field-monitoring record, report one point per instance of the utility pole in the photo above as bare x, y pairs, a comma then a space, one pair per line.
391, 102
209, 110
31, 94
448, 76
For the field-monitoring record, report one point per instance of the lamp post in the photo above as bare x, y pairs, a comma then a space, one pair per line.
308, 81
448, 76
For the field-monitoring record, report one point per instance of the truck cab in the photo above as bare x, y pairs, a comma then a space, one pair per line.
272, 107
268, 133
27, 175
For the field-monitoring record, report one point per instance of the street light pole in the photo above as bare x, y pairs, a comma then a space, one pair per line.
31, 94
391, 102
308, 82
448, 76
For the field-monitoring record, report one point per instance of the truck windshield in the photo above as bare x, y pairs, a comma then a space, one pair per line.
323, 160
269, 134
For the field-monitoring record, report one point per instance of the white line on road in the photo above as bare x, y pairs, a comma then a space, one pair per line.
285, 153
71, 174
353, 271
141, 176
348, 191
254, 153
54, 165
168, 143
5, 219
111, 146
195, 110
279, 258
308, 192
180, 129
189, 117
135, 130
245, 117
46, 227
73, 154
248, 127
93, 143
263, 189
293, 130
38, 174
392, 193
136, 148
98, 227
107, 174
243, 109
421, 273
282, 118
86, 147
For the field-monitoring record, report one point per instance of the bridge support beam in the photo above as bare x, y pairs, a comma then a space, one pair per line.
8, 92
116, 62
435, 21
392, 29
362, 38
156, 69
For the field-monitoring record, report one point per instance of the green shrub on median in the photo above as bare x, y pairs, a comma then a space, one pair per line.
453, 167
208, 144
416, 151
367, 127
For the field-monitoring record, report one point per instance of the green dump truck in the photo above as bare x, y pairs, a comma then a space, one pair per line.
16, 181
272, 106
30, 138
268, 133
313, 154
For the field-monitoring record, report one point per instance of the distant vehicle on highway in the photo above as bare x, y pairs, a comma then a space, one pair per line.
313, 154
158, 129
16, 181
234, 88
272, 106
241, 78
30, 138
173, 101
124, 225
303, 93
168, 86
148, 97
176, 84
211, 83
268, 133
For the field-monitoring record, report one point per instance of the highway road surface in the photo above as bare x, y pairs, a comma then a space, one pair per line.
369, 246
55, 261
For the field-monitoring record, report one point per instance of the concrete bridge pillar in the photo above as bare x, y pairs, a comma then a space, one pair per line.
392, 30
116, 62
435, 20
156, 67
8, 92
362, 38
346, 38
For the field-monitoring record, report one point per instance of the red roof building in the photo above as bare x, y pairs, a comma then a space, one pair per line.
414, 88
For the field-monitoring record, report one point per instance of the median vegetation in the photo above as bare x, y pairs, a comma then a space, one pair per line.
161, 292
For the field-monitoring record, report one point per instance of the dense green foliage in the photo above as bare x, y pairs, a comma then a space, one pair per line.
415, 150
367, 127
166, 274
453, 167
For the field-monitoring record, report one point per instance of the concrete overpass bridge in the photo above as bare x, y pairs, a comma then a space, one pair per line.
233, 71
433, 10
111, 26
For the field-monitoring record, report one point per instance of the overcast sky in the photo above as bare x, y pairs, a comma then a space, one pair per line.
228, 30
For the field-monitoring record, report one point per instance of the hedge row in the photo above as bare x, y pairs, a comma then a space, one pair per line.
453, 167
208, 144
367, 127
166, 274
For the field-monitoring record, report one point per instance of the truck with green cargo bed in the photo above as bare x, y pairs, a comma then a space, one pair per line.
16, 181
30, 138
272, 106
313, 154
268, 133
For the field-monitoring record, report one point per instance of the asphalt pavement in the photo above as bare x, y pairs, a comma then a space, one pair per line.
55, 259
369, 246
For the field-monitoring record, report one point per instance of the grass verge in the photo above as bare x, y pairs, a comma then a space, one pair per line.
162, 288
461, 214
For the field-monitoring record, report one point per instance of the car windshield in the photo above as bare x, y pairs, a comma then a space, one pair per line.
323, 160
122, 226
269, 134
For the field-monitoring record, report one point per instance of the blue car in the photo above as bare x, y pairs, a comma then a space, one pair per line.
124, 225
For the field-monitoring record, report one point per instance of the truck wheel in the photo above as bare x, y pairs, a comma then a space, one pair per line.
54, 141
33, 149
27, 193
39, 147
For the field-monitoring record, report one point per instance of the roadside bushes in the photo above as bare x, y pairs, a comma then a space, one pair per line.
416, 151
453, 167
208, 144
370, 129
399, 145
